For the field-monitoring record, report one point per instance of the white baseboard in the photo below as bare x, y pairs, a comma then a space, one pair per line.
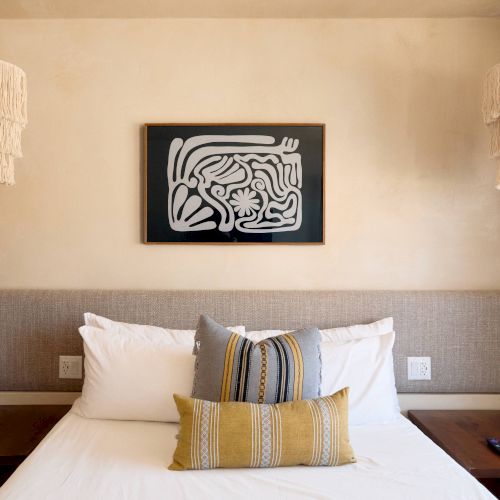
411, 401
407, 401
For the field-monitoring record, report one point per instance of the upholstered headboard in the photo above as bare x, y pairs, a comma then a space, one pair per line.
459, 330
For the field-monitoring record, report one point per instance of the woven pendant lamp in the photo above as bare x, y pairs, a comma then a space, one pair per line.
13, 118
491, 113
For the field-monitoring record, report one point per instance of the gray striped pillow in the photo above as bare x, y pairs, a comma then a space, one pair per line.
230, 367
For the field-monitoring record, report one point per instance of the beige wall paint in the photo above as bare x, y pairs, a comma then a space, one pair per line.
410, 198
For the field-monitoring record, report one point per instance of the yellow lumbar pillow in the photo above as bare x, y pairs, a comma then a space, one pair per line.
233, 434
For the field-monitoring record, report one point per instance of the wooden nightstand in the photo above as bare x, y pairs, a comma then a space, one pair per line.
21, 429
462, 434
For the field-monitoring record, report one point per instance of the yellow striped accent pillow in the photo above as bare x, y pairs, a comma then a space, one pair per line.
234, 434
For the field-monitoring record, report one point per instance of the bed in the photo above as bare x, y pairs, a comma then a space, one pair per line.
104, 459
93, 458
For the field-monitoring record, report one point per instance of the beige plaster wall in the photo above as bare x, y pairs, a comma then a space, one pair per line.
410, 202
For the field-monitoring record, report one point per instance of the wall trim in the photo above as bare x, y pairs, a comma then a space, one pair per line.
420, 401
407, 401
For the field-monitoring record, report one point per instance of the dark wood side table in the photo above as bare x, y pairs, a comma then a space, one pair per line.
462, 434
22, 427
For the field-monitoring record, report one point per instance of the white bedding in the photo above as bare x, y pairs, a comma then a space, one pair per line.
105, 459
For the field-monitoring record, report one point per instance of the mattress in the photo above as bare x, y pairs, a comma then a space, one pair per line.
105, 459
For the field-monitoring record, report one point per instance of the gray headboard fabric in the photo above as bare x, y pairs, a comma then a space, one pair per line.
460, 330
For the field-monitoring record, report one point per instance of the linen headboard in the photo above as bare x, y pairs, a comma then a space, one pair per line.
460, 330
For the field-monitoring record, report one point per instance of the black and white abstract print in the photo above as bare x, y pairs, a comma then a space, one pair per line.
238, 183
246, 182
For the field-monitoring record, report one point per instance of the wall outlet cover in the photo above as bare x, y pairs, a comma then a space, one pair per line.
419, 368
70, 367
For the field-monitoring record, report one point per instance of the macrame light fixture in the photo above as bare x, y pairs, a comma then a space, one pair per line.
13, 118
491, 113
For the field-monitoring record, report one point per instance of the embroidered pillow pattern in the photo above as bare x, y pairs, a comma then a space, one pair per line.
231, 434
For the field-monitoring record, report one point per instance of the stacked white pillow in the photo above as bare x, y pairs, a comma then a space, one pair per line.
358, 357
146, 332
132, 371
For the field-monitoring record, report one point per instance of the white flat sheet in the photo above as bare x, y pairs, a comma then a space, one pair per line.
105, 459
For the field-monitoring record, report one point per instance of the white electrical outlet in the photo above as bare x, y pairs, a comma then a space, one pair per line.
70, 367
419, 368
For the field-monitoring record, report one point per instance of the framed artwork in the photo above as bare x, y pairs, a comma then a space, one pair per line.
234, 183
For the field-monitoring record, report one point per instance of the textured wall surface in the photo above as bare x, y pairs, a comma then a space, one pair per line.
459, 330
410, 202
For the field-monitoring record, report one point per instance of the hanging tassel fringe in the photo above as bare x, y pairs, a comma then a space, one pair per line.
13, 93
491, 113
7, 169
13, 117
491, 96
10, 138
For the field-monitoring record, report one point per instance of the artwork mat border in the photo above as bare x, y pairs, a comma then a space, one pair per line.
230, 124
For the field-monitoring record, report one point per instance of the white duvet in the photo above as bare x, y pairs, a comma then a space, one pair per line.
106, 459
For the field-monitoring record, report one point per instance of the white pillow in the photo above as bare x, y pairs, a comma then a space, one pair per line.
133, 378
358, 357
132, 372
182, 337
